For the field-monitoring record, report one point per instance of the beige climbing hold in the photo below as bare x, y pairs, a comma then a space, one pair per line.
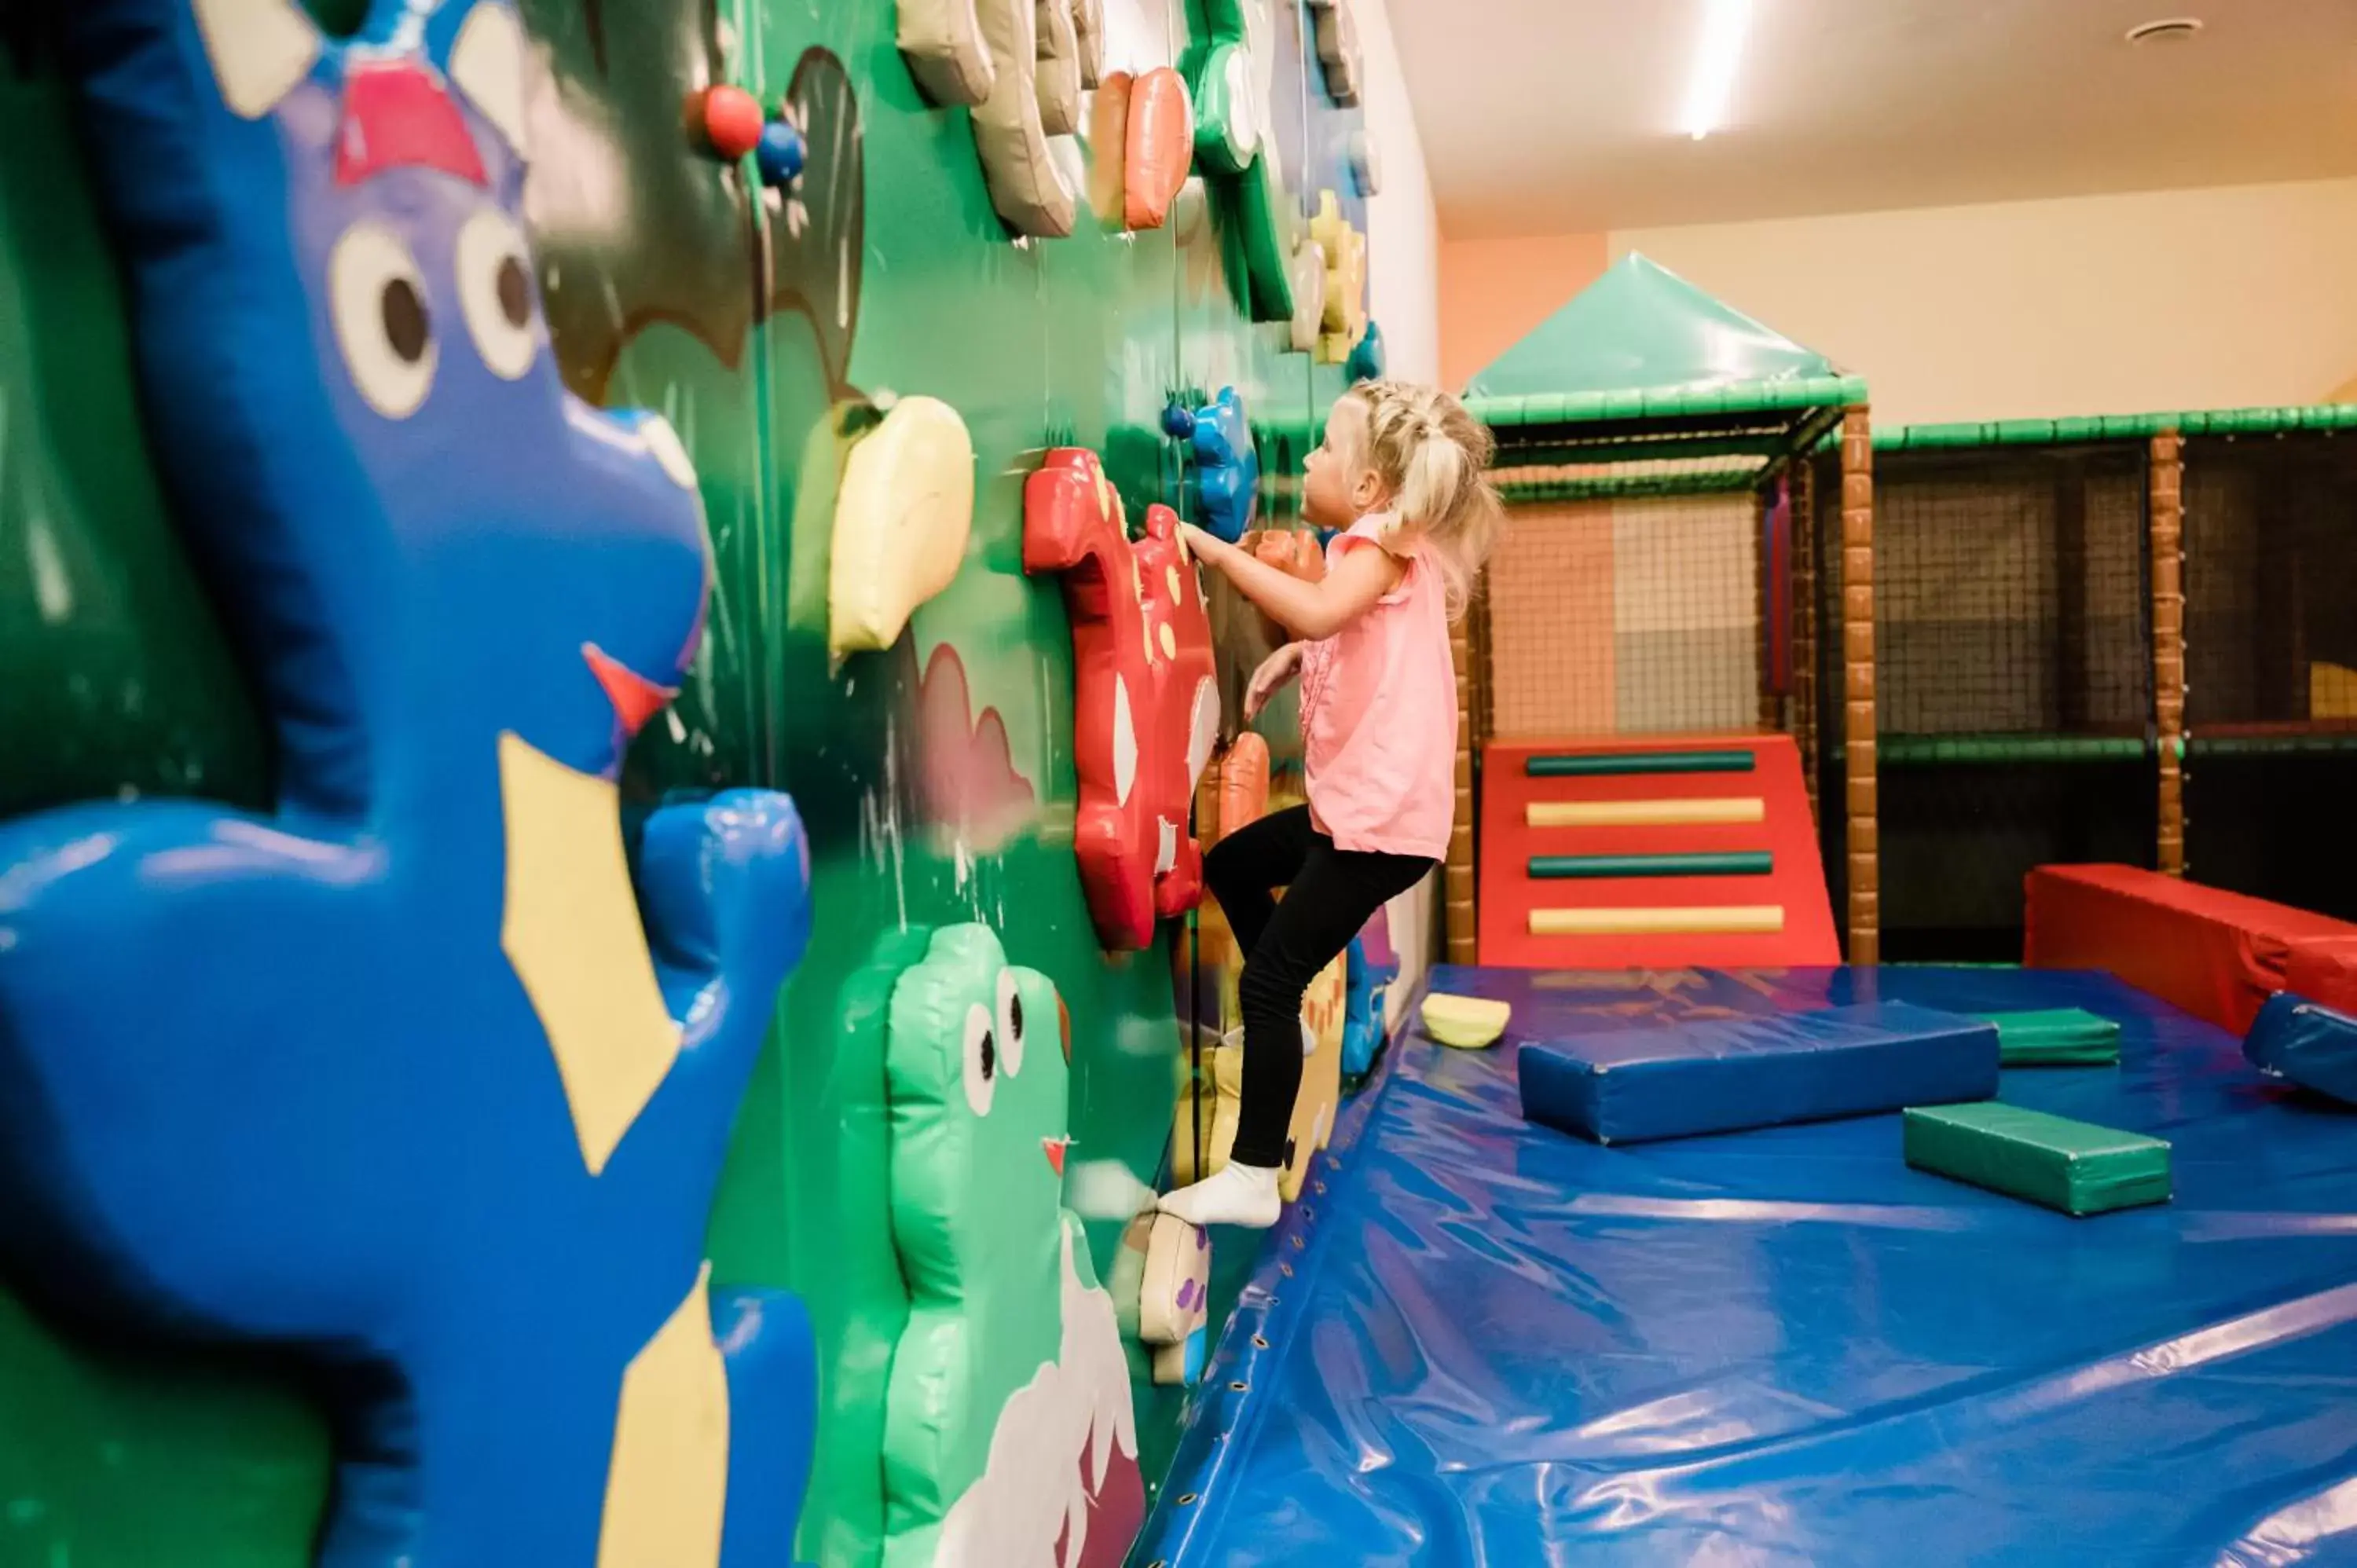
901, 519
1468, 1023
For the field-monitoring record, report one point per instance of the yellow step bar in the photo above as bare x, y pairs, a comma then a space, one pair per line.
1734, 919
1644, 813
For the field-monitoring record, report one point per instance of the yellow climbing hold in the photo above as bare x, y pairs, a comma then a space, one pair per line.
1468, 1023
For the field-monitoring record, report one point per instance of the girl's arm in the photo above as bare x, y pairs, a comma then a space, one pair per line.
1311, 611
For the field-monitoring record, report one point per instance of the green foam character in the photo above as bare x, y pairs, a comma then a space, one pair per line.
1008, 1425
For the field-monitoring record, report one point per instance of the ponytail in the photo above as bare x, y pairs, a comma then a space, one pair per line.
1431, 455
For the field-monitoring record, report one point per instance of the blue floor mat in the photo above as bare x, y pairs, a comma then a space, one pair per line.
1482, 1342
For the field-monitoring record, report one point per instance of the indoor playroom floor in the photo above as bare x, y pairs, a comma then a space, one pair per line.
1478, 1341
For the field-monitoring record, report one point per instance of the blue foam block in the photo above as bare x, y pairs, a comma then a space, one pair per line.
1625, 1086
2305, 1043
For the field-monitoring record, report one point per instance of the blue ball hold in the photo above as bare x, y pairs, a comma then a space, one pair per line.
780, 153
1178, 421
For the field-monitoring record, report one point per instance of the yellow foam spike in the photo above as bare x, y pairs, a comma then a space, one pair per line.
1644, 813
1468, 1023
1701, 920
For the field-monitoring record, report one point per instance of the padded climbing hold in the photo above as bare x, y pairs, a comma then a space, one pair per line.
1372, 966
1059, 81
2305, 1043
942, 42
2059, 1036
1175, 1293
1337, 28
1297, 551
1109, 148
1147, 697
1368, 362
1468, 1023
1227, 465
1323, 1010
732, 121
1009, 1387
1346, 280
902, 515
1366, 160
780, 153
1088, 24
1203, 1127
1228, 130
1622, 1086
2074, 1166
1027, 182
1309, 297
1159, 148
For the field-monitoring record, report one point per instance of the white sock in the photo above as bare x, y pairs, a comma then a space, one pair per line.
1235, 1195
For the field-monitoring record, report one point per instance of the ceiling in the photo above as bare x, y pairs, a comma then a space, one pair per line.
1561, 116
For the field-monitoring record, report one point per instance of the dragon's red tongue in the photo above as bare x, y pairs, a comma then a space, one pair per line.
636, 699
1055, 1147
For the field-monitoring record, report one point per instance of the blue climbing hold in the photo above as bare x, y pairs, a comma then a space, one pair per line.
780, 153
1367, 362
1227, 464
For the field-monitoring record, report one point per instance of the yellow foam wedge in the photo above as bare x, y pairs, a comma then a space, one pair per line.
1734, 919
1644, 813
1468, 1023
901, 520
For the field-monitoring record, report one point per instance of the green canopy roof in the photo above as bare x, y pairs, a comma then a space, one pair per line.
1643, 344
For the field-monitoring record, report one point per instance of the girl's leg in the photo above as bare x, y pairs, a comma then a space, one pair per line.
1330, 901
1245, 869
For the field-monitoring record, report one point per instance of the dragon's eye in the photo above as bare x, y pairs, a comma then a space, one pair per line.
981, 1060
383, 323
495, 290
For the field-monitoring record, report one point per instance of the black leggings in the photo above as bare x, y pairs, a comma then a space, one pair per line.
1330, 894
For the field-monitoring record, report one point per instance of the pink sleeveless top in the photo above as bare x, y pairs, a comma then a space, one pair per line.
1379, 712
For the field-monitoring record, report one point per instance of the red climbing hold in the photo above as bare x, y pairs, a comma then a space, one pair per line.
732, 121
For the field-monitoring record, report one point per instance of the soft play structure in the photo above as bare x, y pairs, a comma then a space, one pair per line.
2111, 639
602, 741
1644, 597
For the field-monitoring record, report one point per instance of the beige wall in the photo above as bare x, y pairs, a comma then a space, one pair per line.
1493, 291
2216, 298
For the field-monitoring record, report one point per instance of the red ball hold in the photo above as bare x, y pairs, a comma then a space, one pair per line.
732, 121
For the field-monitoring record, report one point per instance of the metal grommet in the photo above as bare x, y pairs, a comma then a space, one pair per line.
1260, 1341
1186, 1498
1240, 1388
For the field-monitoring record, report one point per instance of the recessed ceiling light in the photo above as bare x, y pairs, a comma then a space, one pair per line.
1717, 52
2166, 30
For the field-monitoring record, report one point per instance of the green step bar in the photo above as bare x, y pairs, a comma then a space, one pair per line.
1741, 863
1623, 764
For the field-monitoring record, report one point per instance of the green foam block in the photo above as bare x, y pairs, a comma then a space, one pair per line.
2057, 1037
2069, 1166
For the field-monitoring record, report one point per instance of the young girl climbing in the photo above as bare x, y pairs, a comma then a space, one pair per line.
1400, 473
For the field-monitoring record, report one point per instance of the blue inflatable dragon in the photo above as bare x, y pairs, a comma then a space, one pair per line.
428, 1075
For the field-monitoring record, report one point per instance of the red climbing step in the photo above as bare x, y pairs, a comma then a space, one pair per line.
1659, 852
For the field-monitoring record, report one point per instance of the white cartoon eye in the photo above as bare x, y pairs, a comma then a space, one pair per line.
495, 291
981, 1060
378, 299
1010, 1023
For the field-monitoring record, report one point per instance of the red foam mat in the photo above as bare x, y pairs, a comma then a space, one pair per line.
2216, 954
1509, 893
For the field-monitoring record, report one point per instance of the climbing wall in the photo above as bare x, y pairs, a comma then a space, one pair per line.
773, 325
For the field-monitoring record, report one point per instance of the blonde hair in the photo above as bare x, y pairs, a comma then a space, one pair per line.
1431, 455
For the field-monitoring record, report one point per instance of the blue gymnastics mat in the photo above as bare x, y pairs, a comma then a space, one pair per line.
1478, 1342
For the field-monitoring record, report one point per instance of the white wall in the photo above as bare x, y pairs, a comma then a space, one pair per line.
1402, 229
1403, 285
2216, 298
